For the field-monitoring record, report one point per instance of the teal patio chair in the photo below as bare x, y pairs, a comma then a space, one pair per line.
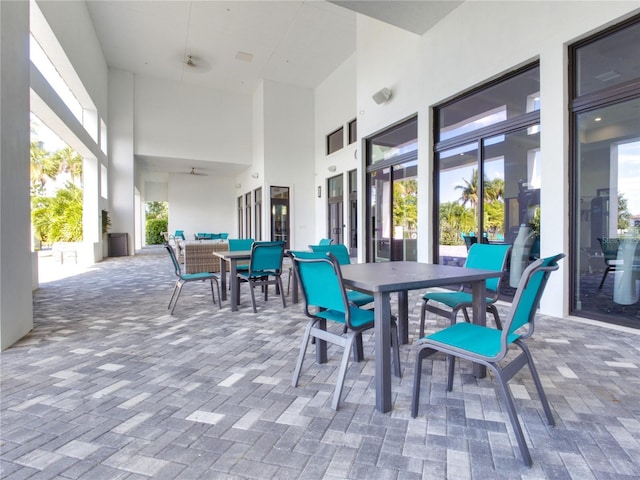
189, 277
341, 253
238, 244
179, 235
323, 241
325, 299
482, 256
489, 346
265, 268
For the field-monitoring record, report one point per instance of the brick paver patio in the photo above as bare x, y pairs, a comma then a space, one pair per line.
109, 386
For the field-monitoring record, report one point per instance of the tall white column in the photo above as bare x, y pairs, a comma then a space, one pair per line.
16, 308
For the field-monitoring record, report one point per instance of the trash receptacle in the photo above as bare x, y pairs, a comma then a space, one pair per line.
118, 244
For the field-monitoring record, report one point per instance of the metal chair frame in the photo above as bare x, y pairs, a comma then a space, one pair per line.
489, 346
189, 277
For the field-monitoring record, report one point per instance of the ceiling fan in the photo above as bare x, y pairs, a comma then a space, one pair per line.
193, 172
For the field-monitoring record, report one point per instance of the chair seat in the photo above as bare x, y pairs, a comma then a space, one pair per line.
471, 338
198, 276
452, 299
257, 274
359, 318
359, 298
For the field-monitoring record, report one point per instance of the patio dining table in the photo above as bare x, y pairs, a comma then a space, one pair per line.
383, 278
233, 257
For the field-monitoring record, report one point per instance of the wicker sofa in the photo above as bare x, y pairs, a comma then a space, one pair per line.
198, 255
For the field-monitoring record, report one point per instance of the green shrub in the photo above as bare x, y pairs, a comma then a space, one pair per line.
154, 229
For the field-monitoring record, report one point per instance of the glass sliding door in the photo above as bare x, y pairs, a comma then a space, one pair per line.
605, 259
392, 223
488, 171
335, 205
240, 217
257, 213
280, 214
353, 213
380, 210
247, 216
458, 205
404, 212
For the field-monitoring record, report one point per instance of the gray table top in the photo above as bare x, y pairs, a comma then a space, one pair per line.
397, 276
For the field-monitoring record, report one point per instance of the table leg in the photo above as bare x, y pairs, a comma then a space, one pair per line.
479, 291
223, 279
403, 317
382, 330
321, 345
233, 280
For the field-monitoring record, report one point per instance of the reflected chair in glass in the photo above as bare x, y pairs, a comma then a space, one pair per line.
490, 346
265, 268
482, 256
325, 299
609, 248
190, 277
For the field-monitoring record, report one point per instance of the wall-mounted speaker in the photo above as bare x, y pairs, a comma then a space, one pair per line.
382, 96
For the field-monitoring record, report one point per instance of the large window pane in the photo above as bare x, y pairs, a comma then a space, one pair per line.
457, 202
608, 223
405, 211
506, 100
397, 142
393, 193
608, 61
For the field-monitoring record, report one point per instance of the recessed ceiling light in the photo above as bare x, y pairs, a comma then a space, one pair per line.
597, 119
244, 56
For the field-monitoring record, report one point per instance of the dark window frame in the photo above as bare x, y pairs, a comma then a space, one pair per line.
477, 136
333, 135
578, 105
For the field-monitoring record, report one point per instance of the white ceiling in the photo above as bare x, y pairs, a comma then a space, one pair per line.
290, 41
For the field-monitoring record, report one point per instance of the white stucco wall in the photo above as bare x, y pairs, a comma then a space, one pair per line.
174, 120
289, 154
201, 204
335, 107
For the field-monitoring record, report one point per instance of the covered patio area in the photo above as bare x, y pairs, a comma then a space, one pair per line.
109, 385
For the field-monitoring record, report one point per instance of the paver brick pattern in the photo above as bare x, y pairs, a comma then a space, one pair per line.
108, 385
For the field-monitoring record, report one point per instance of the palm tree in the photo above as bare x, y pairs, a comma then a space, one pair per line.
469, 190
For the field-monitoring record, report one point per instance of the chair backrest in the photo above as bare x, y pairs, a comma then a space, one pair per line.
525, 302
176, 264
609, 247
236, 244
266, 257
320, 279
325, 241
179, 234
339, 251
488, 257
469, 240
